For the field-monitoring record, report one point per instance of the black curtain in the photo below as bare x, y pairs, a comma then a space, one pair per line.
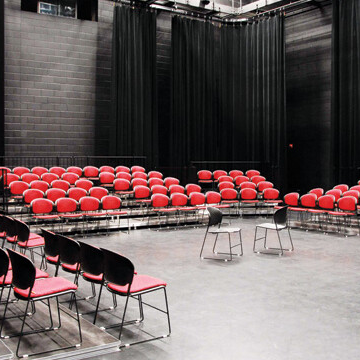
133, 124
228, 98
346, 90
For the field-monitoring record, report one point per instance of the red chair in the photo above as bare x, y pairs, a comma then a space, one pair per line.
122, 168
75, 170
159, 189
190, 188
271, 196
327, 204
40, 185
308, 201
123, 175
139, 175
58, 170
171, 181
84, 184
76, 193
342, 187
317, 191
137, 168
107, 179
20, 170
257, 178
155, 174
39, 170
9, 178
17, 189
138, 181
98, 192
225, 185
230, 197
107, 168
112, 207
356, 187
70, 177
248, 198
159, 204
347, 207
89, 207
66, 209
91, 172
142, 196
292, 199
176, 189
31, 194
226, 178
262, 185
251, 173
49, 177
54, 194
247, 185
60, 184
205, 177
155, 181
122, 187
218, 173
29, 177
213, 198
235, 173
42, 209
240, 179
178, 201
336, 192
354, 193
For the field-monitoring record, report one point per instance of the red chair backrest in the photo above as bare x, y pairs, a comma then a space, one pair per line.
89, 203
342, 187
225, 178
141, 192
39, 170
139, 175
247, 185
123, 175
58, 170
106, 177
347, 203
40, 185
159, 189
75, 170
229, 194
122, 185
18, 187
107, 168
197, 198
356, 187
76, 193
240, 179
225, 185
138, 181
54, 194
292, 199
204, 175
64, 205
190, 188
257, 178
91, 171
9, 178
171, 181
212, 197
60, 184
235, 173
317, 191
155, 174
326, 202
110, 202
31, 194
354, 193
248, 194
308, 200
136, 168
271, 194
178, 199
122, 168
20, 170
336, 192
155, 181
29, 177
84, 184
251, 173
176, 189
70, 177
49, 177
218, 173
262, 185
98, 192
41, 206
159, 200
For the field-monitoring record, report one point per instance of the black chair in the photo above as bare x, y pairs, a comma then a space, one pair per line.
215, 218
279, 223
27, 288
51, 254
10, 229
2, 229
92, 270
120, 278
5, 273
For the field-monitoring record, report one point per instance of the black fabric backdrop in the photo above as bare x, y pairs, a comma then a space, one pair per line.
228, 100
346, 90
133, 124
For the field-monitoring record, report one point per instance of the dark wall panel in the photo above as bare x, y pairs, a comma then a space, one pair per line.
308, 82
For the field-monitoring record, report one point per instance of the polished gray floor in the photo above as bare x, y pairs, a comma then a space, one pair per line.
304, 305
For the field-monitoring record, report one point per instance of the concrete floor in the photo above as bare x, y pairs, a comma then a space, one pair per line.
304, 305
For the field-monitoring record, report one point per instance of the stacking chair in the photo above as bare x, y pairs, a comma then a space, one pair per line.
235, 173
168, 181
179, 189
138, 181
27, 288
347, 210
142, 197
17, 189
257, 178
137, 168
240, 179
155, 174
29, 177
55, 193
123, 187
251, 173
70, 177
279, 223
9, 178
20, 170
355, 187
91, 172
51, 254
75, 170
31, 194
317, 191
89, 207
247, 185
60, 184
107, 179
218, 173
159, 204
42, 210
123, 175
159, 189
122, 168
121, 281
40, 185
112, 207
58, 170
225, 185
66, 209
342, 187
178, 202
262, 185
230, 197
196, 203
49, 177
336, 192
205, 177
214, 227
354, 193
139, 175
155, 181
223, 178
76, 193
39, 170
84, 184
98, 192
107, 168
190, 188
326, 203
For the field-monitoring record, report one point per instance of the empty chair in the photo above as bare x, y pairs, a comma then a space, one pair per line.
205, 177
106, 179
235, 173
9, 178
138, 181
66, 208
122, 168
248, 197
29, 177
355, 187
354, 193
155, 174
75, 170
51, 254
155, 181
326, 203
122, 187
112, 207
230, 197
168, 181
89, 207
58, 170
317, 191
347, 209
137, 168
225, 178
76, 193
176, 189
70, 177
49, 177
214, 227
107, 168
342, 187
292, 199
123, 175
262, 185
271, 195
279, 223
98, 192
42, 209
40, 185
142, 194
84, 184
31, 194
240, 179
27, 288
159, 189
218, 173
178, 202
251, 173
39, 170
159, 204
190, 188
225, 185
60, 184
120, 279
257, 178
91, 172
336, 192
308, 201
54, 194
139, 175
20, 170
247, 185
69, 256
17, 189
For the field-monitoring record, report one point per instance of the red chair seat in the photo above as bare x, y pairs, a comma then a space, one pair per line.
47, 286
140, 283
72, 268
2, 234
116, 213
297, 209
91, 277
341, 213
94, 214
45, 217
165, 209
316, 211
250, 201
221, 206
52, 259
70, 216
40, 274
8, 279
32, 243
230, 201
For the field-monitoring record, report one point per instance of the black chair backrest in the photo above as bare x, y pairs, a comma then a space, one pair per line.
280, 216
51, 247
117, 269
69, 250
91, 259
9, 226
22, 230
2, 223
4, 263
215, 216
23, 270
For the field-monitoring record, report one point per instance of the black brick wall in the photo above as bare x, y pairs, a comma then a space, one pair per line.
57, 82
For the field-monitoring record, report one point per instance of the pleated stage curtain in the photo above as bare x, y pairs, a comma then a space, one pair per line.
346, 91
228, 100
134, 126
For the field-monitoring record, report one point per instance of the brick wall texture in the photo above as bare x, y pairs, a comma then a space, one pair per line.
57, 82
